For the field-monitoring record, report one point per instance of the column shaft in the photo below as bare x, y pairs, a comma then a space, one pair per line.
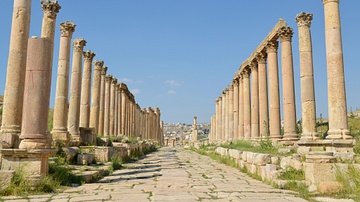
102, 101
95, 96
263, 96
290, 133
85, 90
338, 123
236, 108
247, 104
112, 107
15, 74
241, 106
60, 131
108, 80
75, 90
274, 125
231, 112
308, 105
254, 101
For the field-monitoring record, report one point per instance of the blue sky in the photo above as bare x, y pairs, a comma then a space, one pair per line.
179, 55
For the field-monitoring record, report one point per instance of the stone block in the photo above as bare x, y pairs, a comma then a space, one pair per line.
9, 141
287, 162
235, 154
5, 178
275, 160
284, 150
244, 156
262, 172
303, 150
120, 151
85, 159
103, 154
61, 139
345, 156
71, 153
261, 159
87, 136
315, 173
271, 171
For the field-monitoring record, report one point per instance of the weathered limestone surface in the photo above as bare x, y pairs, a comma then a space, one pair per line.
263, 95
254, 101
102, 101
95, 96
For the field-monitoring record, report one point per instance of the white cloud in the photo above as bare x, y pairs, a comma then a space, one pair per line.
135, 91
172, 83
172, 92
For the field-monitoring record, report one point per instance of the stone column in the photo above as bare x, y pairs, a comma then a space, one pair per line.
112, 107
247, 103
37, 96
85, 90
75, 90
241, 106
95, 96
116, 111
102, 101
236, 108
263, 96
290, 134
108, 80
157, 111
218, 118
60, 131
123, 108
194, 137
119, 100
254, 101
15, 75
274, 125
308, 105
227, 104
231, 112
223, 113
338, 123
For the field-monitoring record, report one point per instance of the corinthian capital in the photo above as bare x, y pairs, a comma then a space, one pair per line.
88, 55
246, 72
108, 78
79, 44
261, 57
104, 70
67, 28
304, 19
272, 46
98, 64
254, 66
285, 33
50, 9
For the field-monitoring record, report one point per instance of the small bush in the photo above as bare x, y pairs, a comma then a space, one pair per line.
116, 162
292, 174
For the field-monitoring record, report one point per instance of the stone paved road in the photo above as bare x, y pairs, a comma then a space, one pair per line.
171, 174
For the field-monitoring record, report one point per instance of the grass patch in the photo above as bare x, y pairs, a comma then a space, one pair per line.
292, 174
301, 188
351, 183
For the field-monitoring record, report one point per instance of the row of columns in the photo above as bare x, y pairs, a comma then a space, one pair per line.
250, 107
104, 105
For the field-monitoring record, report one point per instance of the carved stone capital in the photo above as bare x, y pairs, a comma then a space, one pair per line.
88, 55
114, 81
231, 87
79, 44
246, 72
304, 19
236, 81
98, 64
50, 9
285, 33
272, 46
254, 66
108, 78
261, 57
67, 28
104, 70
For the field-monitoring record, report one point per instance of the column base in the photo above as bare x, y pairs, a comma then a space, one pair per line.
87, 136
35, 144
309, 136
338, 134
60, 138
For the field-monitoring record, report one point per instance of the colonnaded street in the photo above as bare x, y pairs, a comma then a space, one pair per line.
171, 174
